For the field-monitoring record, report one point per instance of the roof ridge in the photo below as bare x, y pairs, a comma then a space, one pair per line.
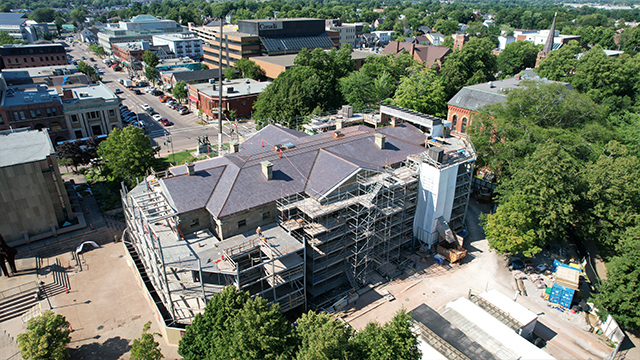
315, 159
216, 185
228, 193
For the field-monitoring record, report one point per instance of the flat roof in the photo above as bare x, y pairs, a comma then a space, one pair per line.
284, 19
186, 36
521, 314
95, 91
39, 95
241, 87
19, 74
509, 339
24, 146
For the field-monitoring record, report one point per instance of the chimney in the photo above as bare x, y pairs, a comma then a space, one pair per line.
397, 47
235, 147
395, 121
67, 94
191, 168
413, 49
338, 124
267, 170
380, 140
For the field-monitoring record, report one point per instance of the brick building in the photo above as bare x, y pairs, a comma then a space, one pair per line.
29, 56
130, 52
426, 54
238, 95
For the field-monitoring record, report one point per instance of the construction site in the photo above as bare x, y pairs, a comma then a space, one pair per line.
304, 221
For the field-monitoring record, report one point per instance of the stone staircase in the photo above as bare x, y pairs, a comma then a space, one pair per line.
26, 296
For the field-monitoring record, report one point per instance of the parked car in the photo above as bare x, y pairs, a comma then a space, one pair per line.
145, 106
92, 59
516, 263
183, 111
165, 122
156, 117
137, 91
163, 98
118, 91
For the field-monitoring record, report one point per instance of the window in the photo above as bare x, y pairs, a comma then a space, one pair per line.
242, 223
195, 222
16, 117
40, 58
78, 134
22, 117
265, 215
24, 59
55, 126
112, 113
57, 57
48, 112
33, 114
454, 123
8, 61
54, 111
464, 125
38, 113
46, 58
74, 118
33, 60
1, 121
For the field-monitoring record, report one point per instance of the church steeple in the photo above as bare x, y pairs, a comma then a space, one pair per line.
548, 46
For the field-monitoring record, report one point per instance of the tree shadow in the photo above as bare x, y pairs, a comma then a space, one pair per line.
112, 348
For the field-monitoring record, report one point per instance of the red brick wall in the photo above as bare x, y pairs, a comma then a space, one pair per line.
43, 119
243, 105
458, 116
34, 60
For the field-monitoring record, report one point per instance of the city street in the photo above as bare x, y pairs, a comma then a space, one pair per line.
183, 135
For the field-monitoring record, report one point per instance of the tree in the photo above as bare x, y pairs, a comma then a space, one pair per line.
43, 15
423, 92
473, 64
151, 73
357, 90
446, 27
235, 326
47, 337
323, 338
560, 63
243, 68
517, 56
204, 67
394, 340
97, 49
145, 347
77, 152
179, 91
537, 204
127, 154
79, 14
618, 295
150, 59
5, 38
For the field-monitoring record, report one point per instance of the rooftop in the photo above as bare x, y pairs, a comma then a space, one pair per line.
233, 183
133, 46
95, 91
144, 17
20, 96
22, 74
475, 96
238, 87
12, 19
24, 146
186, 36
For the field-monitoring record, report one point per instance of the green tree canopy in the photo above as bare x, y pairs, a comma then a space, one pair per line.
473, 64
47, 337
127, 154
323, 338
243, 68
394, 340
423, 92
150, 59
179, 91
42, 15
79, 14
5, 38
151, 73
146, 347
517, 56
560, 63
446, 27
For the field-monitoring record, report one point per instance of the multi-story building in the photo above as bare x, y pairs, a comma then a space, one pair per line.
130, 53
274, 65
34, 199
90, 110
16, 25
347, 34
300, 220
139, 28
264, 37
30, 56
238, 95
185, 44
470, 99
384, 36
426, 54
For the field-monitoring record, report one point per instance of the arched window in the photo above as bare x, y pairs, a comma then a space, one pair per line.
55, 126
464, 125
39, 127
454, 123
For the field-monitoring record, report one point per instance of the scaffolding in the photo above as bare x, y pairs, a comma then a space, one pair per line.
185, 275
353, 233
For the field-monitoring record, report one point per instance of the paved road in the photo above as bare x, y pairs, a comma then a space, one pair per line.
185, 131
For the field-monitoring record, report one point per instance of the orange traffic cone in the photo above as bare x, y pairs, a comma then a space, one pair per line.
70, 327
66, 289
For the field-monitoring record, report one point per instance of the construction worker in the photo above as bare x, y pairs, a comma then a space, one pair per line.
259, 231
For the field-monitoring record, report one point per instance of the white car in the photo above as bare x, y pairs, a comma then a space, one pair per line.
145, 106
157, 117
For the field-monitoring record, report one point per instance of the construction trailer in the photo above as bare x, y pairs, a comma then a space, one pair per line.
336, 212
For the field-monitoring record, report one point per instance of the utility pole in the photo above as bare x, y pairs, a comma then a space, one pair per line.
220, 91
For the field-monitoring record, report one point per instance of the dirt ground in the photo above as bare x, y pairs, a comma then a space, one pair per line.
436, 285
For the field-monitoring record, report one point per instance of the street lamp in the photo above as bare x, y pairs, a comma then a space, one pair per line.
45, 293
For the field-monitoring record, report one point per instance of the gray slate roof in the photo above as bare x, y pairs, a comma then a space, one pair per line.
476, 96
233, 183
12, 19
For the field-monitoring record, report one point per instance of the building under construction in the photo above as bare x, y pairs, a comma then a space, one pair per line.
299, 220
